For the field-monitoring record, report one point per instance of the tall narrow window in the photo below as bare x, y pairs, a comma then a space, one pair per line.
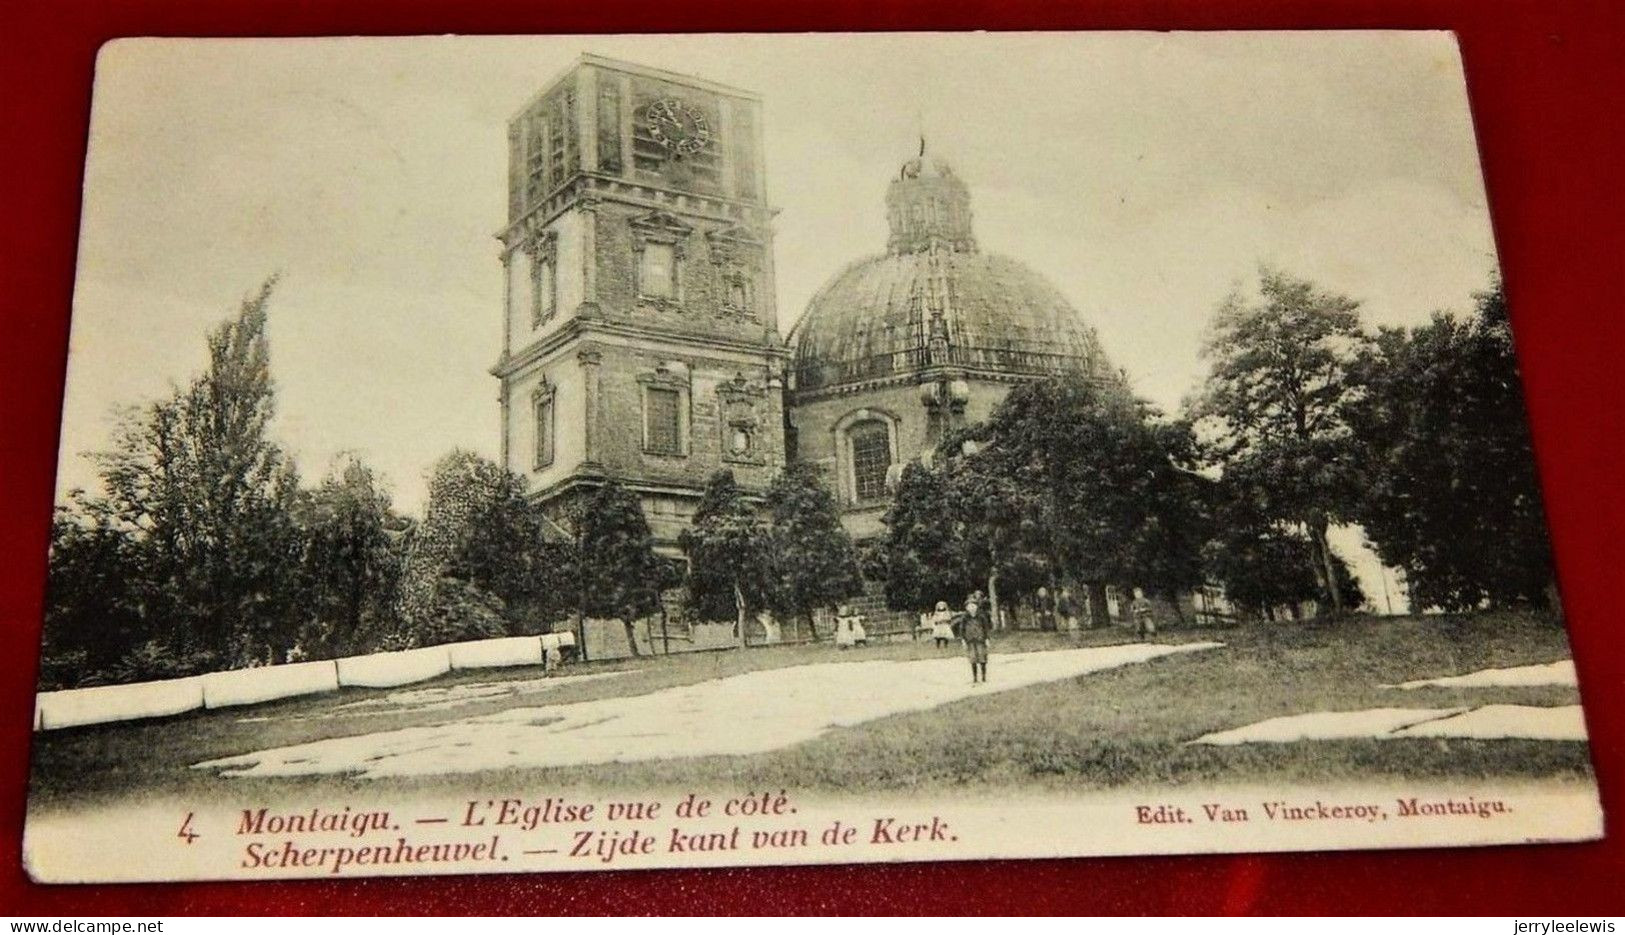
544, 429
657, 271
744, 154
609, 125
738, 291
535, 158
871, 457
547, 291
662, 421
570, 159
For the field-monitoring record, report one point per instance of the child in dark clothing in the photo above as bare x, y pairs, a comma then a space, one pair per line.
974, 632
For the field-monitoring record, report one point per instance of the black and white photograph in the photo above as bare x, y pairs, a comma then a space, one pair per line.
508, 454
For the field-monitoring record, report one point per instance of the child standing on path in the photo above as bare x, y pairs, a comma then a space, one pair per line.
975, 634
1144, 623
942, 624
849, 630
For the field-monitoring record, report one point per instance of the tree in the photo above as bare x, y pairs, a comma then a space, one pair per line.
814, 561
352, 560
1264, 564
1087, 482
480, 545
1277, 399
922, 558
729, 552
1452, 495
96, 601
1070, 477
196, 481
1003, 510
1166, 548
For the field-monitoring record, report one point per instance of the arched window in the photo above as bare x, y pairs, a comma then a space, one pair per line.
870, 443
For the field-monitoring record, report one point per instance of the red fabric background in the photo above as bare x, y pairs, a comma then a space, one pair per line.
1545, 81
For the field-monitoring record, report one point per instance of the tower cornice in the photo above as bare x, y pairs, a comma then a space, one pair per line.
587, 185
580, 329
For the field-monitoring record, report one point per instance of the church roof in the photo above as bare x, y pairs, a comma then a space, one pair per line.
934, 299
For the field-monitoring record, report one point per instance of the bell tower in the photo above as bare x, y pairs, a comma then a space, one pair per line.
640, 338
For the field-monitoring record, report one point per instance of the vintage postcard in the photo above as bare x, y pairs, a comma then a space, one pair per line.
558, 453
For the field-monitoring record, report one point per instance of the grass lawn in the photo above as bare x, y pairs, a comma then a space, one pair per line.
1124, 726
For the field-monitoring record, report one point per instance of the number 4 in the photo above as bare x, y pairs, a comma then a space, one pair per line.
186, 833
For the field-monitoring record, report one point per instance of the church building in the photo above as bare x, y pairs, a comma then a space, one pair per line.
901, 347
641, 341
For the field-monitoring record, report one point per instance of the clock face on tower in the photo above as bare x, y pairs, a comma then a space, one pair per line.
678, 126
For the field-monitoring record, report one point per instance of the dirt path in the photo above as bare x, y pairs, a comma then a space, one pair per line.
742, 714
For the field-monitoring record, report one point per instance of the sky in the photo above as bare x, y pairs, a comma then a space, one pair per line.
1146, 174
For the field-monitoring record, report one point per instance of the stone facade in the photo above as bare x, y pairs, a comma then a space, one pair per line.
822, 423
925, 338
641, 340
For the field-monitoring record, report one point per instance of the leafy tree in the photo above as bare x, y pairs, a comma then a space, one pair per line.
352, 560
1070, 478
1263, 564
1004, 511
517, 554
1452, 495
95, 603
729, 555
1166, 548
480, 531
196, 481
1277, 398
814, 561
1086, 482
922, 558
461, 610
609, 567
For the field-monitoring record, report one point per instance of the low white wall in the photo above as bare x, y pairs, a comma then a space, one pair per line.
106, 703
78, 706
606, 639
559, 640
714, 635
268, 683
387, 670
484, 654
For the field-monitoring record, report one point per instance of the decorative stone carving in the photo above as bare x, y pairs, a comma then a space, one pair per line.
672, 232
741, 403
736, 252
660, 227
733, 244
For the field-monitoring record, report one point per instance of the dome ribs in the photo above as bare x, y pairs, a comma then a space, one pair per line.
933, 300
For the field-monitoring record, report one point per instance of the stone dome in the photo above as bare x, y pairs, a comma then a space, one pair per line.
934, 300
